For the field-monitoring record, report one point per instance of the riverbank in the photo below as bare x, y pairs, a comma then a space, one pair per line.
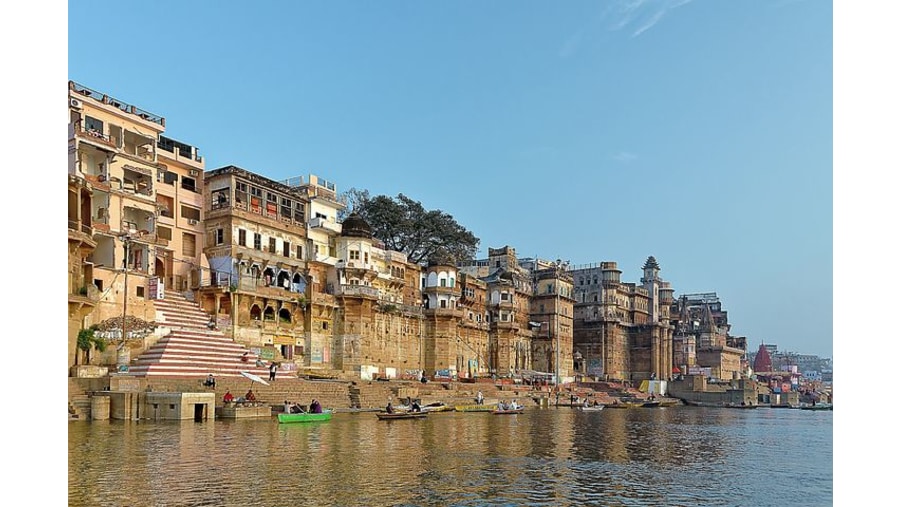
349, 395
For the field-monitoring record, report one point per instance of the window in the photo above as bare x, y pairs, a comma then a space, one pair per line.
139, 291
164, 233
272, 245
188, 244
299, 252
93, 124
257, 241
189, 184
286, 249
170, 178
220, 236
220, 198
354, 255
242, 237
189, 213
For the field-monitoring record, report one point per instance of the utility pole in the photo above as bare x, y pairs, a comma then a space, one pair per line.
126, 239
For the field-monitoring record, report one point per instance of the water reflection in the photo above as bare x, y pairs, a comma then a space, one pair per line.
669, 456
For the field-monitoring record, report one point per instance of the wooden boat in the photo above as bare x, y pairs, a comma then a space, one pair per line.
304, 417
625, 404
508, 411
592, 408
651, 404
438, 407
670, 402
476, 408
384, 416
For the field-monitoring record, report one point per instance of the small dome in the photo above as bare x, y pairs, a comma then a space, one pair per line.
355, 227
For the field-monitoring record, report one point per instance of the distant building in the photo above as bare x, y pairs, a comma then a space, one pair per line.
622, 330
702, 337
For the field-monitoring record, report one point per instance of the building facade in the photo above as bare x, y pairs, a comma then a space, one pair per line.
622, 331
134, 217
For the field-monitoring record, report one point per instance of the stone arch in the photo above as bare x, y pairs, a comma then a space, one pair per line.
255, 312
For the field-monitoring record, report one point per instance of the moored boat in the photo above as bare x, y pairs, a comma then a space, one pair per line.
438, 407
304, 417
504, 411
592, 408
476, 408
817, 406
384, 416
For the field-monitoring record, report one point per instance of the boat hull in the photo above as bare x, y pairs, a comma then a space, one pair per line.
384, 416
303, 418
476, 408
508, 412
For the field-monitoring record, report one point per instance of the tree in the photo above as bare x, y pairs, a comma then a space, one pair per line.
404, 225
88, 341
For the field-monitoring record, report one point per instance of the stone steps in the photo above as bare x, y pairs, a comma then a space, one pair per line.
192, 350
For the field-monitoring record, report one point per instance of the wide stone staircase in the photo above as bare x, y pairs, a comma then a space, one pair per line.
191, 349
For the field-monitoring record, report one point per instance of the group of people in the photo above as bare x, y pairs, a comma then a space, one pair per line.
292, 408
229, 398
412, 404
512, 405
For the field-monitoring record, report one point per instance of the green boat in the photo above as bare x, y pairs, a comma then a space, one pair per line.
304, 417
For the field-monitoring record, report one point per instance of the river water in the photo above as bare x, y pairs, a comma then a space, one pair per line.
675, 456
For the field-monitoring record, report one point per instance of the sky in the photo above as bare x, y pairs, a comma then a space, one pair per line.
698, 132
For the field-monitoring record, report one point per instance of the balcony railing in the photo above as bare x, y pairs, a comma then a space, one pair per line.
358, 290
324, 223
75, 225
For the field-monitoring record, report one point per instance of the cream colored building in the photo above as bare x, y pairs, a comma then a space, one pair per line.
136, 194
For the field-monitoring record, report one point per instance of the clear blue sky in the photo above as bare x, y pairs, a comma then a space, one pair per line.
699, 132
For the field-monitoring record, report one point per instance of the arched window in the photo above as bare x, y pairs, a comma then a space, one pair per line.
284, 315
269, 314
255, 312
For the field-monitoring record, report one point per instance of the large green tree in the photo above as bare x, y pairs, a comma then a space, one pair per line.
404, 225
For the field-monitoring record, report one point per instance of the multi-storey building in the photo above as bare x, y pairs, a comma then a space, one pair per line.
257, 245
703, 340
306, 290
552, 317
622, 330
134, 198
526, 308
378, 322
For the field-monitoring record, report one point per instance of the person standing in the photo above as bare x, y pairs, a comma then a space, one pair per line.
273, 368
479, 398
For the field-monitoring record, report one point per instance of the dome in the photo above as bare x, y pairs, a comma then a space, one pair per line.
355, 227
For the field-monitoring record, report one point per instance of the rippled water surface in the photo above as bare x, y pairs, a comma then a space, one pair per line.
678, 456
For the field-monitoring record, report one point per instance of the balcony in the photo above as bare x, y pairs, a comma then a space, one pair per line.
95, 137
447, 312
358, 290
323, 223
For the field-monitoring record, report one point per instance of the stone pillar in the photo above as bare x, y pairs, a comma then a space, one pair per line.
99, 408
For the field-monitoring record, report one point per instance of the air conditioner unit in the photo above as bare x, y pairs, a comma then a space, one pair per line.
195, 172
75, 103
192, 221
